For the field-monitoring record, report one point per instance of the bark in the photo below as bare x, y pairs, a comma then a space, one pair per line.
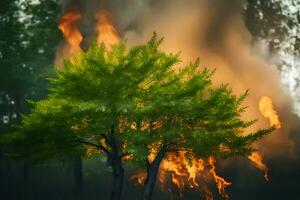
116, 163
118, 177
152, 171
19, 105
20, 109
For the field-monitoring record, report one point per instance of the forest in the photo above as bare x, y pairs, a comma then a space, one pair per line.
149, 99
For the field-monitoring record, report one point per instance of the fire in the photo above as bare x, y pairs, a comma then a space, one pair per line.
220, 182
107, 33
267, 110
68, 26
181, 171
257, 159
186, 173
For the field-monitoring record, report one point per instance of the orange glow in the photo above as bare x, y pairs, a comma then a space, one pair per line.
220, 182
186, 173
257, 159
139, 177
267, 110
70, 30
91, 151
107, 33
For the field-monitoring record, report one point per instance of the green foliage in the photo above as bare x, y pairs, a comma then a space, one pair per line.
148, 99
28, 37
275, 21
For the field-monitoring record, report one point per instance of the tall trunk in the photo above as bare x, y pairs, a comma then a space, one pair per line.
19, 105
19, 110
78, 175
116, 163
152, 170
118, 177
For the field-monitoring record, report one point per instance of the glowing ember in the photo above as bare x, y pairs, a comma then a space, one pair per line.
70, 30
105, 29
220, 182
257, 159
267, 110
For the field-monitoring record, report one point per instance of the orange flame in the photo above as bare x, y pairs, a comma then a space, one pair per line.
220, 182
70, 30
267, 110
183, 172
107, 33
257, 159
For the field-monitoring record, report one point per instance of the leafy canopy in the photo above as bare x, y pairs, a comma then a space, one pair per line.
148, 102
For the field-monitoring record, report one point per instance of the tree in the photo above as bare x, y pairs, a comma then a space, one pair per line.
275, 21
128, 102
27, 38
179, 110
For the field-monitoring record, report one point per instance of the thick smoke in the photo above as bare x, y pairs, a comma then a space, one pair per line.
212, 30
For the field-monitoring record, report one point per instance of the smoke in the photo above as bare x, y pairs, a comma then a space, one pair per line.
212, 30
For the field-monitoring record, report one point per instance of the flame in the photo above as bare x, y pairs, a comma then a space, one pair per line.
70, 31
220, 182
183, 172
257, 159
267, 110
107, 33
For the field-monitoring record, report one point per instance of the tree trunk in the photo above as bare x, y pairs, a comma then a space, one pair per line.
118, 177
19, 97
116, 163
19, 110
152, 170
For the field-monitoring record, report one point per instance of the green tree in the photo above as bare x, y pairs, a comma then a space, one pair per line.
27, 38
121, 102
274, 21
180, 110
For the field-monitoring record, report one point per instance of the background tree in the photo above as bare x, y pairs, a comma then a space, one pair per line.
27, 37
276, 22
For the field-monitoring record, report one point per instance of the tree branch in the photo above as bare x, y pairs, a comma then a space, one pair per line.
174, 143
176, 150
101, 147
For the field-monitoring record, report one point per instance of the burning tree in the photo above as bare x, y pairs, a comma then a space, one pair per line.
136, 105
183, 120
